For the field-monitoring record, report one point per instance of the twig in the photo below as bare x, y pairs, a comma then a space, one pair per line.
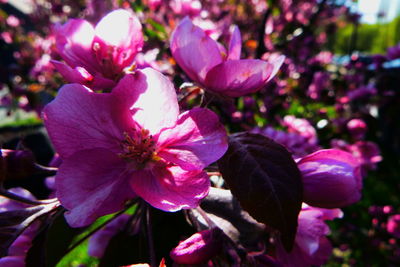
150, 240
98, 228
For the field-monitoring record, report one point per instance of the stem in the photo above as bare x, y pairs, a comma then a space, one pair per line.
97, 228
150, 240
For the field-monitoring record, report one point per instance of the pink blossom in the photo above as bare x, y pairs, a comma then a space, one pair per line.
96, 56
357, 128
207, 63
301, 127
130, 142
13, 21
186, 7
311, 247
7, 37
331, 178
297, 144
393, 225
367, 152
154, 4
198, 248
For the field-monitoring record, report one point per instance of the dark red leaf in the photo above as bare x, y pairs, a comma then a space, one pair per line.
265, 179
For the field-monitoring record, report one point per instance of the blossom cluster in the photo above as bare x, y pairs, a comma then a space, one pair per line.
158, 117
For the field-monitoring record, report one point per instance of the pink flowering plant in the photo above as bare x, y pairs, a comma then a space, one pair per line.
162, 135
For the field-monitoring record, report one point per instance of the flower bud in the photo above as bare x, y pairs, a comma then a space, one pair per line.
331, 178
357, 128
198, 248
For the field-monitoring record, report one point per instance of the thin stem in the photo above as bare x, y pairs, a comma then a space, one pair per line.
97, 228
150, 240
205, 217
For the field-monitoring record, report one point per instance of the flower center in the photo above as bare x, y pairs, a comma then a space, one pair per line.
139, 147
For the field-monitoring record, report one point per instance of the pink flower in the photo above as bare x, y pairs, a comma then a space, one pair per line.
331, 178
311, 247
301, 127
130, 142
97, 56
186, 7
207, 63
198, 248
297, 144
357, 128
393, 225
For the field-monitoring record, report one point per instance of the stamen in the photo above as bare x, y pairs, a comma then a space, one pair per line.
139, 147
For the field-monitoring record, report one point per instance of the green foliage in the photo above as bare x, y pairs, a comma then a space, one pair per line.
367, 38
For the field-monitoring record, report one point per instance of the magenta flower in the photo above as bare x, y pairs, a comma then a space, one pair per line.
130, 142
393, 225
331, 178
311, 247
96, 56
357, 128
207, 63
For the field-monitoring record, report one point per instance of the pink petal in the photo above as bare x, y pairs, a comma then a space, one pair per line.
82, 76
76, 75
197, 140
92, 183
80, 119
74, 43
156, 105
121, 33
171, 188
193, 50
239, 77
235, 44
310, 229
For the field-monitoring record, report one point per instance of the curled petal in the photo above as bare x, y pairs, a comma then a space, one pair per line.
171, 188
73, 75
193, 50
92, 183
239, 77
235, 44
197, 140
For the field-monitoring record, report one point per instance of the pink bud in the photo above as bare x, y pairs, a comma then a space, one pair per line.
198, 248
331, 178
357, 128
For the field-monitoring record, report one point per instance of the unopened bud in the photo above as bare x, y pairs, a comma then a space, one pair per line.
331, 178
198, 248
